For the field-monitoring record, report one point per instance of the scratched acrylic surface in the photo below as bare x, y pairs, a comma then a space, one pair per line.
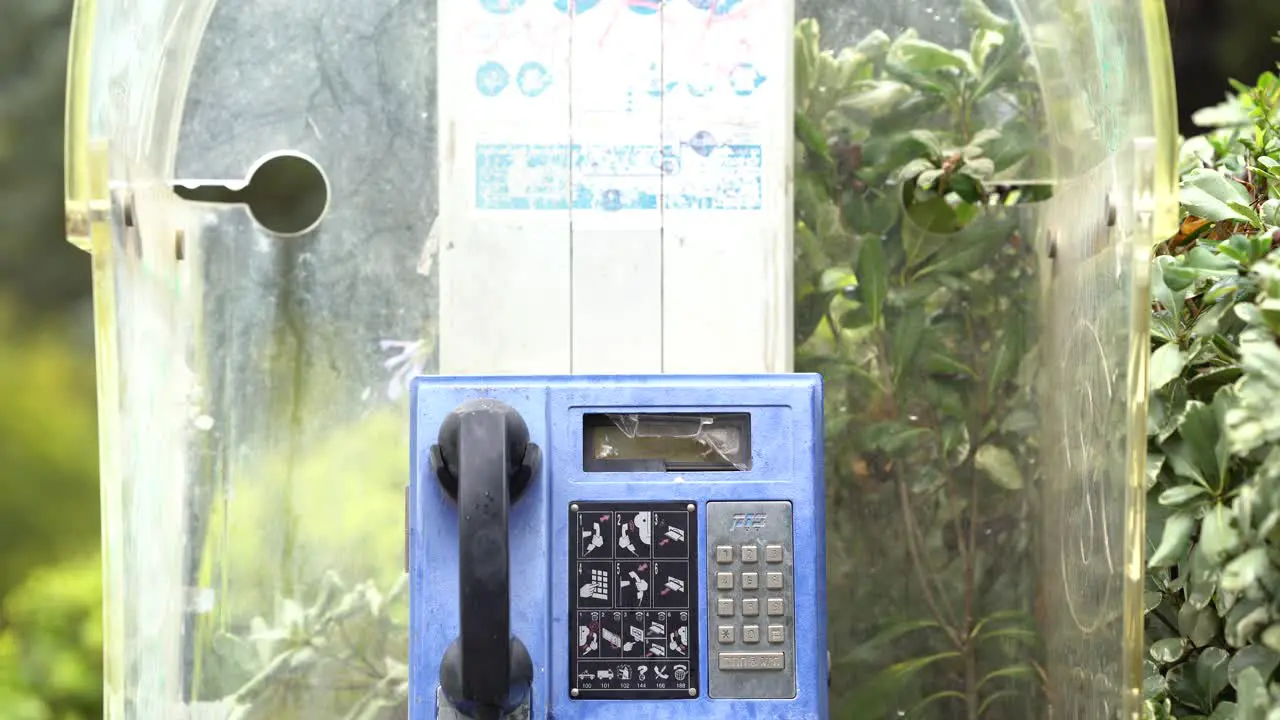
959, 190
968, 236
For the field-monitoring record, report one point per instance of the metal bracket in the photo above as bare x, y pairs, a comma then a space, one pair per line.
445, 710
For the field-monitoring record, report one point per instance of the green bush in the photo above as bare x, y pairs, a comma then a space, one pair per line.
48, 450
50, 592
51, 644
1213, 471
916, 298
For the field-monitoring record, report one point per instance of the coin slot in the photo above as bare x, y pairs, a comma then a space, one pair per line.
287, 193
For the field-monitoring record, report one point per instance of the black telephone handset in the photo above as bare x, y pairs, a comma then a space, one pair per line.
485, 462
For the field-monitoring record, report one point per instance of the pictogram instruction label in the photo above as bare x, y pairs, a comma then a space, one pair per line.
633, 572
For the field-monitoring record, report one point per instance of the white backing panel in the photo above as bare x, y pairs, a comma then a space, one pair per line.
616, 186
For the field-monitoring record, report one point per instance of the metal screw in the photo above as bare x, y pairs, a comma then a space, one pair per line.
574, 508
693, 692
692, 507
574, 692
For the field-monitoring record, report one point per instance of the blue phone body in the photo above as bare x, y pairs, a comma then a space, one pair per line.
786, 464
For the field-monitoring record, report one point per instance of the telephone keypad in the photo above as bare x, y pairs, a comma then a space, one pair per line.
754, 657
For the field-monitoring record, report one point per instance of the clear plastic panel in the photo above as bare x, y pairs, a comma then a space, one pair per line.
983, 344
974, 194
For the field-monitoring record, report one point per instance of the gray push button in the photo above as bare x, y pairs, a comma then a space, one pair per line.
774, 607
773, 554
752, 661
724, 554
750, 553
777, 634
751, 634
724, 607
726, 634
773, 580
750, 581
724, 581
750, 607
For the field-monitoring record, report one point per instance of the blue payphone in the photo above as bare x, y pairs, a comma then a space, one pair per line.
584, 547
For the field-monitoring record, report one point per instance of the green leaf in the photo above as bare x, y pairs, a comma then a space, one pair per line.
916, 709
870, 213
908, 328
922, 233
1271, 637
1181, 494
1209, 322
1260, 658
928, 179
874, 276
1271, 212
1210, 194
871, 99
1223, 711
874, 45
869, 650
955, 441
1244, 620
928, 140
1218, 537
1201, 580
809, 312
1194, 451
837, 279
1248, 571
1202, 258
915, 169
1167, 363
1198, 625
1248, 212
809, 134
1173, 300
1000, 465
1251, 696
1211, 672
1168, 649
1155, 463
977, 14
922, 56
1179, 277
807, 53
1174, 541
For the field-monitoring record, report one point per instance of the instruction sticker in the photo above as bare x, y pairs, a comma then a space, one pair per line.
619, 177
618, 105
632, 572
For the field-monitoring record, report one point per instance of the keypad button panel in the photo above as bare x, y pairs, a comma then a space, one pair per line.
750, 582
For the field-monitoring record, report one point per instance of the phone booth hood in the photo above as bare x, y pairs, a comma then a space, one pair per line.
944, 208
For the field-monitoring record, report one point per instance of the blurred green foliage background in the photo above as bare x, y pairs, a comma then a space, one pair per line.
50, 583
